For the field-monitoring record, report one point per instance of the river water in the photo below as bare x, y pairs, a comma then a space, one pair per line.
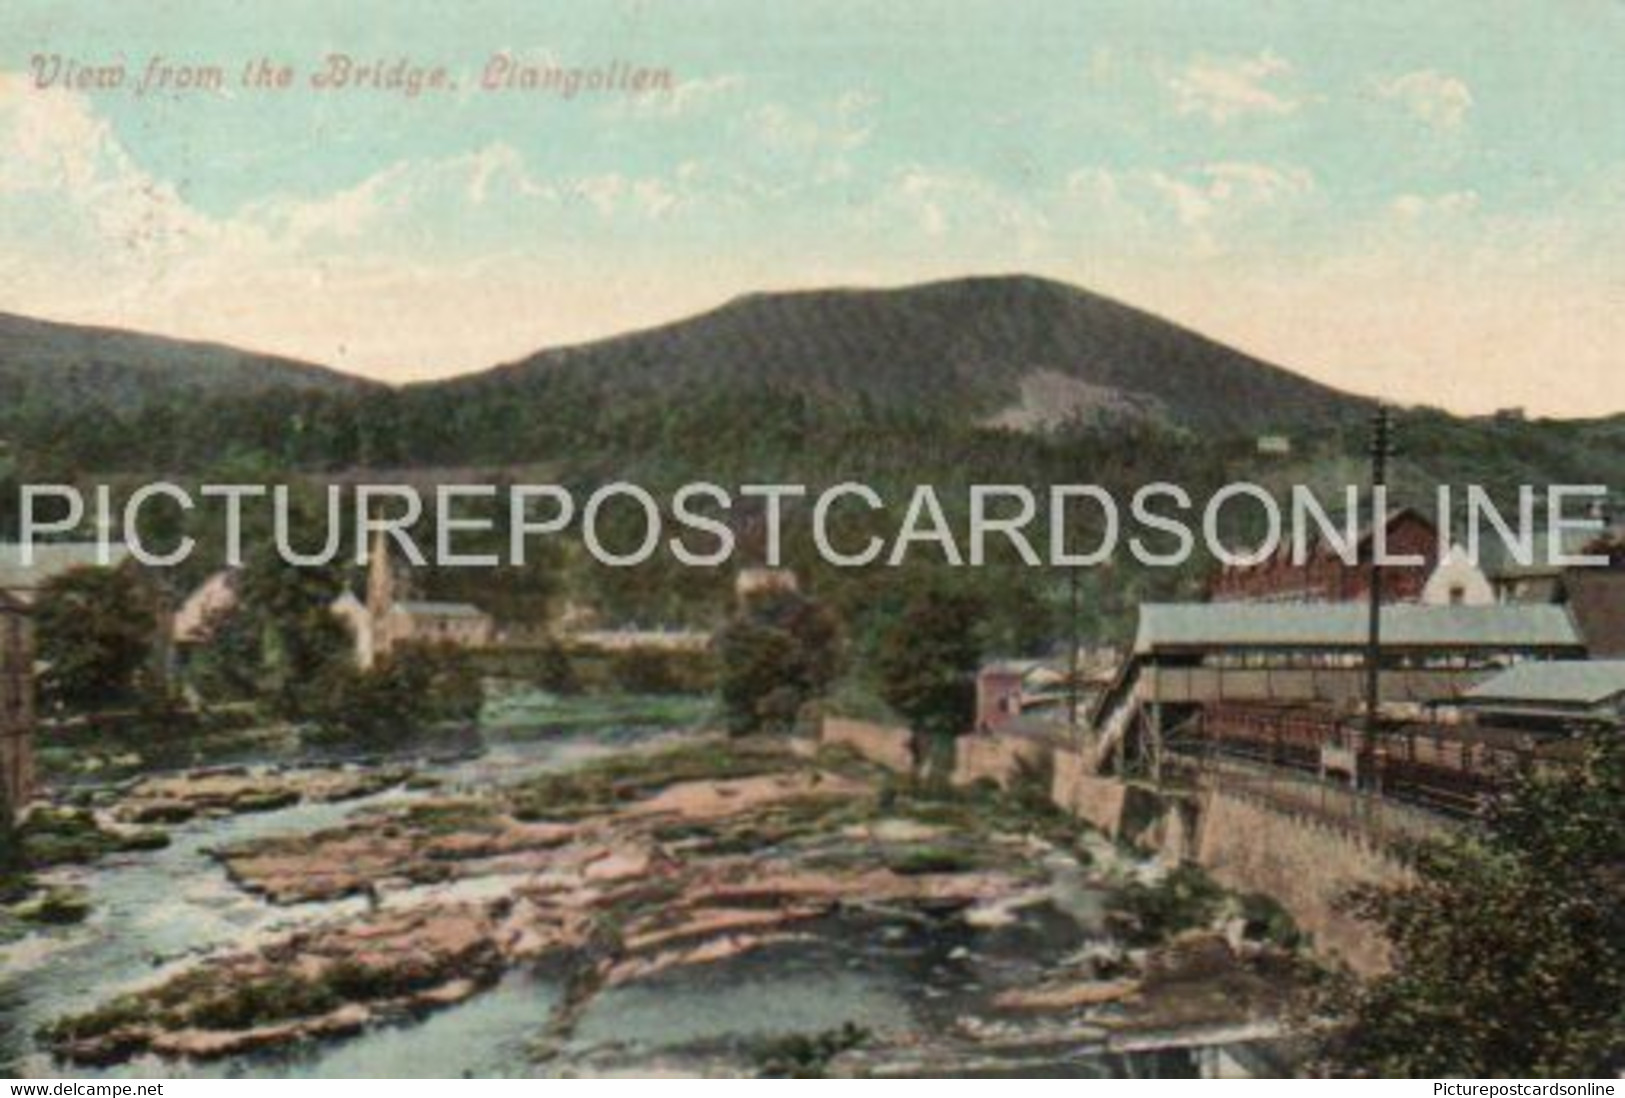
155, 910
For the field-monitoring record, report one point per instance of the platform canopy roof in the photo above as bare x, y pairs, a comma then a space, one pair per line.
1554, 682
1210, 626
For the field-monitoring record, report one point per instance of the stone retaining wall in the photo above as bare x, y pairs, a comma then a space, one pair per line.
1305, 865
998, 759
882, 744
1247, 844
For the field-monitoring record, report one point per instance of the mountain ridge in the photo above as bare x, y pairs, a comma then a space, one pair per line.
66, 365
964, 345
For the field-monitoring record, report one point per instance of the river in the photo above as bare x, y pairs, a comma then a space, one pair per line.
158, 909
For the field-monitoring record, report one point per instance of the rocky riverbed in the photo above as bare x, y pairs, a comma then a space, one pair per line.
647, 873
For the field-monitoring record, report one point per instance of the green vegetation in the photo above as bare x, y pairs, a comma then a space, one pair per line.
55, 907
807, 1056
933, 859
301, 642
544, 714
70, 836
95, 628
1509, 945
1148, 914
926, 663
607, 784
414, 687
641, 671
780, 652
200, 999
1267, 921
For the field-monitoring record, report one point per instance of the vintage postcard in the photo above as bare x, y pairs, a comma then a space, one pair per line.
704, 538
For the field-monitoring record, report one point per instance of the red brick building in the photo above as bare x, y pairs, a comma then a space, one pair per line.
1325, 577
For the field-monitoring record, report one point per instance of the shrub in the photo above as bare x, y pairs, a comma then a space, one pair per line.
1146, 914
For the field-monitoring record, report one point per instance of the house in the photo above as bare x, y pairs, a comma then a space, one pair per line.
1458, 581
1554, 696
353, 613
1594, 595
198, 613
387, 620
1324, 576
417, 621
1000, 690
1007, 690
16, 703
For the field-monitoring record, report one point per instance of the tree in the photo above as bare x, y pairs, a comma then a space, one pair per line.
780, 651
228, 667
926, 661
300, 637
95, 629
1509, 944
415, 686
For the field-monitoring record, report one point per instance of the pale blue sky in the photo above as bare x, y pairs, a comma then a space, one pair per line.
1425, 203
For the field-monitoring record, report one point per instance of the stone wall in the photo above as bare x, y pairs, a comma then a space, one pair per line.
1305, 865
1247, 844
884, 745
1078, 791
998, 759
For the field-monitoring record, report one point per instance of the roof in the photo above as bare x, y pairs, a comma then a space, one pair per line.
1564, 682
1368, 528
1495, 557
439, 609
214, 596
1596, 598
51, 559
1344, 625
1020, 668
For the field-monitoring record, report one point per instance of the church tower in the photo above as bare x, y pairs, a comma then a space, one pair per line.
380, 578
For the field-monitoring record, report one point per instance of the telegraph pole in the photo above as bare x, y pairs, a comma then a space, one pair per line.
1382, 448
1074, 607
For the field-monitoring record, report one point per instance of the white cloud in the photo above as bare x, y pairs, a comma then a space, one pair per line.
686, 98
839, 125
1222, 89
1211, 201
1415, 207
1433, 98
944, 204
431, 266
365, 275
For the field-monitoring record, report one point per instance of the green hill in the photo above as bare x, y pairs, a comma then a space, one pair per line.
72, 368
1019, 351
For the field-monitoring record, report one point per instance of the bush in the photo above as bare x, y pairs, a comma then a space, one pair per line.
642, 671
807, 1056
58, 907
932, 859
1268, 921
95, 628
1147, 914
414, 687
780, 652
